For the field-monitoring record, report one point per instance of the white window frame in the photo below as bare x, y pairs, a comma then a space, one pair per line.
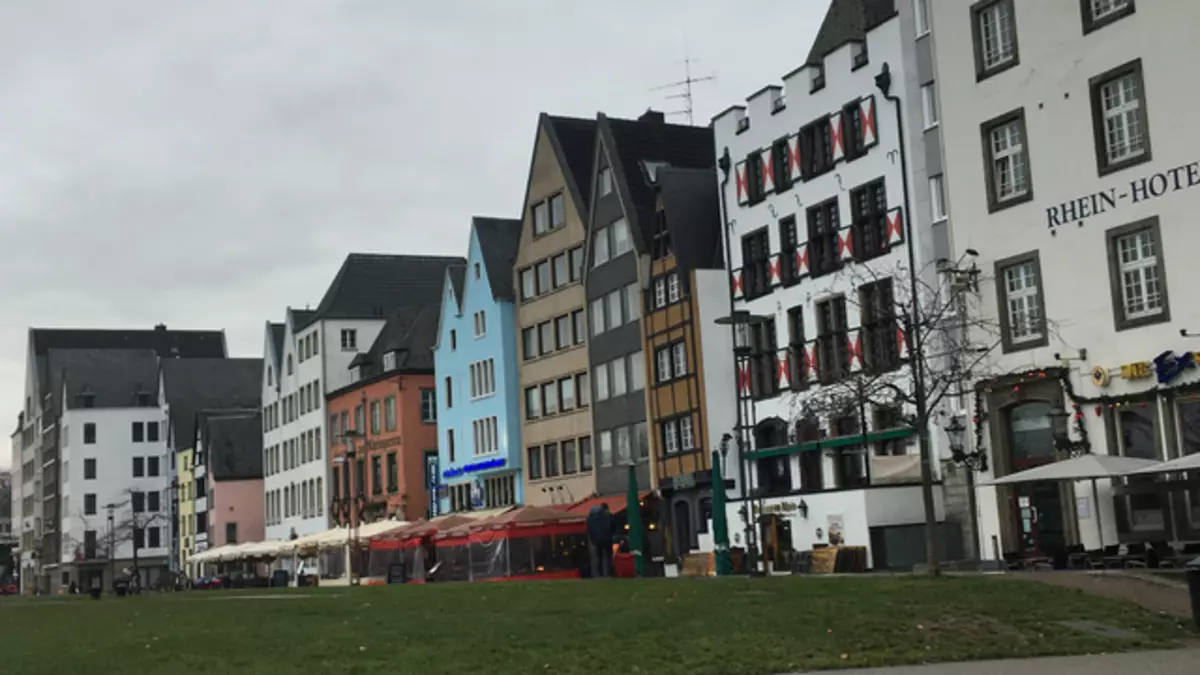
1102, 9
929, 109
1021, 284
1138, 273
937, 197
619, 377
633, 303
637, 371
662, 359
349, 339
679, 359
622, 238
1006, 149
660, 293
600, 378
480, 323
671, 437
687, 438
600, 247
598, 323
674, 288
921, 17
997, 35
1123, 118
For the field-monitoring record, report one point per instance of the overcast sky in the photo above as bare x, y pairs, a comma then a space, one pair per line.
207, 164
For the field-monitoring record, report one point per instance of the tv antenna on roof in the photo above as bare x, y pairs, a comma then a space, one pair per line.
686, 84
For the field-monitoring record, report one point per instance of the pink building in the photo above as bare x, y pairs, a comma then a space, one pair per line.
230, 443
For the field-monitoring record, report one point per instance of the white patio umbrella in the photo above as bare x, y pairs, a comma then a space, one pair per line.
1085, 467
1185, 463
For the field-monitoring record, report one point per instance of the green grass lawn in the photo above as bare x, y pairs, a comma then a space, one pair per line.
717, 627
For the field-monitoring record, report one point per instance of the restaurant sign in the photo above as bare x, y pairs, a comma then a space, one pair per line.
1169, 365
1144, 188
474, 467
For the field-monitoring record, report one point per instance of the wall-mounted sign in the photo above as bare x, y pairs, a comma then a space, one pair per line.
385, 443
1138, 370
1100, 376
474, 467
1169, 365
1137, 190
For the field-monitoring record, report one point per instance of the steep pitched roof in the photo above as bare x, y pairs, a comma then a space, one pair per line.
692, 213
111, 378
499, 239
573, 138
277, 331
191, 385
233, 443
635, 146
458, 276
411, 333
846, 21
162, 341
371, 285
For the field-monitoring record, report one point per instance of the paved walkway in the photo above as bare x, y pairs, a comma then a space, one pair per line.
1175, 662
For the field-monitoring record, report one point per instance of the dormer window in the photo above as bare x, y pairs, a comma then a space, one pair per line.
818, 78
858, 55
356, 373
389, 361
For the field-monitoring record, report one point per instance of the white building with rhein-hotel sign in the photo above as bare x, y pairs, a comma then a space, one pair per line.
1072, 157
819, 258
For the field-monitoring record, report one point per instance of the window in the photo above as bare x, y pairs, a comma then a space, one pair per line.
1100, 13
290, 368
549, 399
450, 444
528, 288
585, 454
89, 469
624, 443
453, 339
754, 178
678, 435
566, 393
870, 208
550, 461
483, 378
477, 271
674, 291
854, 141
858, 54
480, 324
622, 243
597, 311
929, 111
393, 476
89, 504
833, 346
570, 457
376, 475
560, 270
605, 182
349, 339
529, 346
756, 262
1137, 436
377, 416
613, 302
1119, 118
600, 247
152, 467
1136, 270
605, 440
558, 215
576, 260
637, 371
780, 168
582, 390
562, 331
541, 220
428, 406
816, 148
543, 277
824, 242
89, 433
389, 413
662, 237
601, 379
138, 500
139, 432
921, 16
1007, 160
877, 320
1019, 292
546, 337
617, 380
660, 293
662, 360
850, 461
994, 30
679, 358
533, 403
139, 467
817, 76
152, 429
788, 271
937, 198
153, 502
633, 302
579, 326
533, 462
764, 376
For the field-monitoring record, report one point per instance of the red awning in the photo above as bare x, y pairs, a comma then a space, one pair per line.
616, 503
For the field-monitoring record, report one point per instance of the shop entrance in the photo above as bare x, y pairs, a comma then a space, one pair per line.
1037, 508
776, 536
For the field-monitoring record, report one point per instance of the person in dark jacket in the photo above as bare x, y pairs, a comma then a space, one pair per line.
600, 527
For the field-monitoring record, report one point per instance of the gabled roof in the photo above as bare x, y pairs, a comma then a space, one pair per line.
371, 285
458, 276
571, 140
411, 333
847, 21
111, 378
191, 385
499, 239
692, 213
232, 443
162, 341
632, 144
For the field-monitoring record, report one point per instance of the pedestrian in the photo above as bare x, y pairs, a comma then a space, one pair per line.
600, 526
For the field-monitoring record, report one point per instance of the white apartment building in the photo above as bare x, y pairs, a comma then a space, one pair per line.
308, 356
1074, 171
819, 258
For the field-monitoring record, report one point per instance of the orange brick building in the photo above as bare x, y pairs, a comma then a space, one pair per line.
388, 419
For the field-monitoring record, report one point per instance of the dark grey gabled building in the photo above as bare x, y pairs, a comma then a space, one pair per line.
628, 154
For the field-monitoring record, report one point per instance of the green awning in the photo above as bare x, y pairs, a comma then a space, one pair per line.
831, 443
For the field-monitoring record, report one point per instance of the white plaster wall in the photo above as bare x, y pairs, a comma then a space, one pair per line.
711, 289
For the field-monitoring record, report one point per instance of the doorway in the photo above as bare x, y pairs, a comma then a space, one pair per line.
1036, 508
777, 540
1040, 518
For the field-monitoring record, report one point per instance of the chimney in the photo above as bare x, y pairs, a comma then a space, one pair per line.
652, 116
161, 327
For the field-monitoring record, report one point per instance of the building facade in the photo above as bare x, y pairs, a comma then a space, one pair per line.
313, 354
479, 416
556, 427
1072, 178
690, 383
822, 263
383, 426
228, 449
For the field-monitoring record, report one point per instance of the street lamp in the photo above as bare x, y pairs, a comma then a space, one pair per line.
348, 459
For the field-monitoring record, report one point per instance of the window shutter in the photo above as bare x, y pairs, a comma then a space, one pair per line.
768, 170
743, 185
866, 108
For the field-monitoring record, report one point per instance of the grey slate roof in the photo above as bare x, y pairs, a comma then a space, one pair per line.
113, 377
693, 216
370, 285
192, 385
278, 331
499, 239
631, 142
233, 444
411, 333
848, 20
458, 275
573, 141
164, 342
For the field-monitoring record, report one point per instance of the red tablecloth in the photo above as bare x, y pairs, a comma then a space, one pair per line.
623, 566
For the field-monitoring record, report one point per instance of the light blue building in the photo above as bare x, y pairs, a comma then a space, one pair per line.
475, 362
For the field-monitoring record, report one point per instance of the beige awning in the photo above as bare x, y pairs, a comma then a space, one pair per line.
1185, 463
1084, 467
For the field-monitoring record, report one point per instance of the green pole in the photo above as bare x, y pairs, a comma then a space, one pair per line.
723, 562
633, 517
